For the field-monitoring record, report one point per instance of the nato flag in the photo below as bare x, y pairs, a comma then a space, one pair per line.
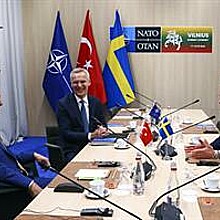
155, 112
56, 83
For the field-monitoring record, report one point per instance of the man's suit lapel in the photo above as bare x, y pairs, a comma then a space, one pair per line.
91, 107
74, 110
91, 113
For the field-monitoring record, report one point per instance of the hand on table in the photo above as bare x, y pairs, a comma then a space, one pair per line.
99, 132
34, 189
204, 151
42, 160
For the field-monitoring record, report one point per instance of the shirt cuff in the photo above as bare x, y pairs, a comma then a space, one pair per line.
31, 183
89, 136
217, 154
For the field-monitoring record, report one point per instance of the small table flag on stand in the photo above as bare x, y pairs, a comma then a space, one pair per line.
145, 134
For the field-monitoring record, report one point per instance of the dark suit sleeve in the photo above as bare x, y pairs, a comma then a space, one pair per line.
97, 111
216, 144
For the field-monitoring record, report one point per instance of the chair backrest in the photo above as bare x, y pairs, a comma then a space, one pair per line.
12, 200
53, 136
54, 146
218, 125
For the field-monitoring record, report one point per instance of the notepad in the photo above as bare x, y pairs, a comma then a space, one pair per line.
89, 174
103, 141
107, 140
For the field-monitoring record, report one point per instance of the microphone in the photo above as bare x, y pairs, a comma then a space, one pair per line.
154, 133
133, 113
138, 101
154, 167
147, 106
178, 109
170, 148
46, 167
148, 98
209, 118
171, 207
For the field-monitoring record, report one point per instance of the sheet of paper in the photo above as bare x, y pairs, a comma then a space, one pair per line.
92, 173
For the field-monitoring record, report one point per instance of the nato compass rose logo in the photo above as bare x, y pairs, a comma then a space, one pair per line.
57, 61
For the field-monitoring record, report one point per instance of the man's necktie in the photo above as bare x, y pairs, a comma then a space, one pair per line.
84, 117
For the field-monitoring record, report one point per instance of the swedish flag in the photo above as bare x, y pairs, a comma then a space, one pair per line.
165, 129
117, 74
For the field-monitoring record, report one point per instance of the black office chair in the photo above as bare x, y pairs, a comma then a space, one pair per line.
218, 125
56, 156
12, 201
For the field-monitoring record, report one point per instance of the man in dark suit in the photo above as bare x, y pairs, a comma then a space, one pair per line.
13, 175
77, 128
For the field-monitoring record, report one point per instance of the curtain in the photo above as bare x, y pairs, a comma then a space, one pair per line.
13, 120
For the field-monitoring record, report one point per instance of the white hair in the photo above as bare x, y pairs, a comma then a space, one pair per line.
79, 70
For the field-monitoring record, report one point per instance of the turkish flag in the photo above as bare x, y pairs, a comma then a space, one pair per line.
145, 134
88, 59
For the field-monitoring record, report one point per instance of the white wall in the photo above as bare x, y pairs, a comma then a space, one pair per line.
173, 79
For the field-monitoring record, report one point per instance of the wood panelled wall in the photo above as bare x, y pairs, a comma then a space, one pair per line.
172, 79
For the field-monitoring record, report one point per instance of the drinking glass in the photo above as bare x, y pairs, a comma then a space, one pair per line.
125, 184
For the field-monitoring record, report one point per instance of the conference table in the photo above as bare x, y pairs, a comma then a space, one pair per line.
50, 203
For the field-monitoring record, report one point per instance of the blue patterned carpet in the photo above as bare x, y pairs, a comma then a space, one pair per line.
33, 144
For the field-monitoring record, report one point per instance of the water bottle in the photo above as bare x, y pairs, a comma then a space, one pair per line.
138, 177
173, 197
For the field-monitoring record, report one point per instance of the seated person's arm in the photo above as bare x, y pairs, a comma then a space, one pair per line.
99, 132
34, 189
16, 178
207, 152
42, 160
25, 157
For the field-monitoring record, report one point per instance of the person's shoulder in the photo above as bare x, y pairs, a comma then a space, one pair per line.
66, 98
216, 143
1, 148
94, 100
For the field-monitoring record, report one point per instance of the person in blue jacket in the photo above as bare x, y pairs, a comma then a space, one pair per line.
12, 172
